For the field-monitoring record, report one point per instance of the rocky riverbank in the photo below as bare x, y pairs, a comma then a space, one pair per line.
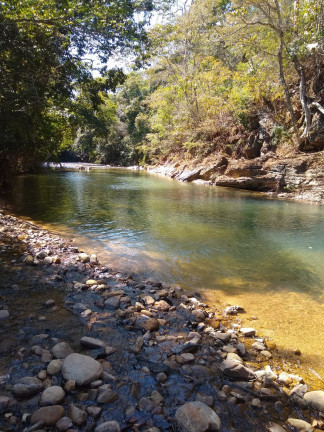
86, 348
299, 177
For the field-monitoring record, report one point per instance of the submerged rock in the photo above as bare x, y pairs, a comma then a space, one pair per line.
197, 417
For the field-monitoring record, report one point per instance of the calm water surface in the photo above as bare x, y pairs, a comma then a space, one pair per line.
266, 254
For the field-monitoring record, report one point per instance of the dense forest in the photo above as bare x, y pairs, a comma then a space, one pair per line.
229, 77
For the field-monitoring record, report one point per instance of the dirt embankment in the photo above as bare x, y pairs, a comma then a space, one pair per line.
298, 177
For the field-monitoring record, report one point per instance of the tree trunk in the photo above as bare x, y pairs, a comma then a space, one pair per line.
286, 90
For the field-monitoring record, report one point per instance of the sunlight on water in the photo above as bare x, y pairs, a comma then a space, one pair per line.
237, 246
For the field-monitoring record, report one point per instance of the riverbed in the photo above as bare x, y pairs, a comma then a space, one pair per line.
237, 247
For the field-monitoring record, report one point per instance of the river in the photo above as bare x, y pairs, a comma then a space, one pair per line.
236, 247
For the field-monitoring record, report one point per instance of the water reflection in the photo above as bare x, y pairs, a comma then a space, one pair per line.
193, 235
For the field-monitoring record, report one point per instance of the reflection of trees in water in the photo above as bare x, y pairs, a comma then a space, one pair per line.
196, 235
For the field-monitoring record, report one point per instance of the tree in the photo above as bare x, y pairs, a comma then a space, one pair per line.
43, 58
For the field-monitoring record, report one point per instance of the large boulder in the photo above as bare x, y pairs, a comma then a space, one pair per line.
81, 368
197, 417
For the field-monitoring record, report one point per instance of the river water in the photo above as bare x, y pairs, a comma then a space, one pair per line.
237, 247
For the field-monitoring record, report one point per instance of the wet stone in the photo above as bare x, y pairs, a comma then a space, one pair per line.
234, 369
197, 417
80, 368
61, 350
64, 424
27, 386
315, 399
110, 426
54, 367
78, 416
198, 315
94, 411
248, 331
53, 395
300, 425
92, 343
145, 404
48, 415
108, 396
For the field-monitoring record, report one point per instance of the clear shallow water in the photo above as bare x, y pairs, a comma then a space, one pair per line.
237, 247
197, 236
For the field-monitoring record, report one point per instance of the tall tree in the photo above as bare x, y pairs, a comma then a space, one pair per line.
44, 47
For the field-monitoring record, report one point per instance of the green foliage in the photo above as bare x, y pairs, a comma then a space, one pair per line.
43, 61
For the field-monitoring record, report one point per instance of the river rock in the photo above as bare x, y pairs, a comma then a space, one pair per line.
41, 255
84, 258
92, 343
258, 346
108, 396
151, 325
54, 367
162, 305
62, 350
198, 315
315, 399
93, 259
64, 424
78, 416
48, 260
48, 415
81, 368
197, 417
94, 411
4, 314
6, 403
247, 331
113, 302
300, 425
27, 386
53, 395
110, 426
235, 369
